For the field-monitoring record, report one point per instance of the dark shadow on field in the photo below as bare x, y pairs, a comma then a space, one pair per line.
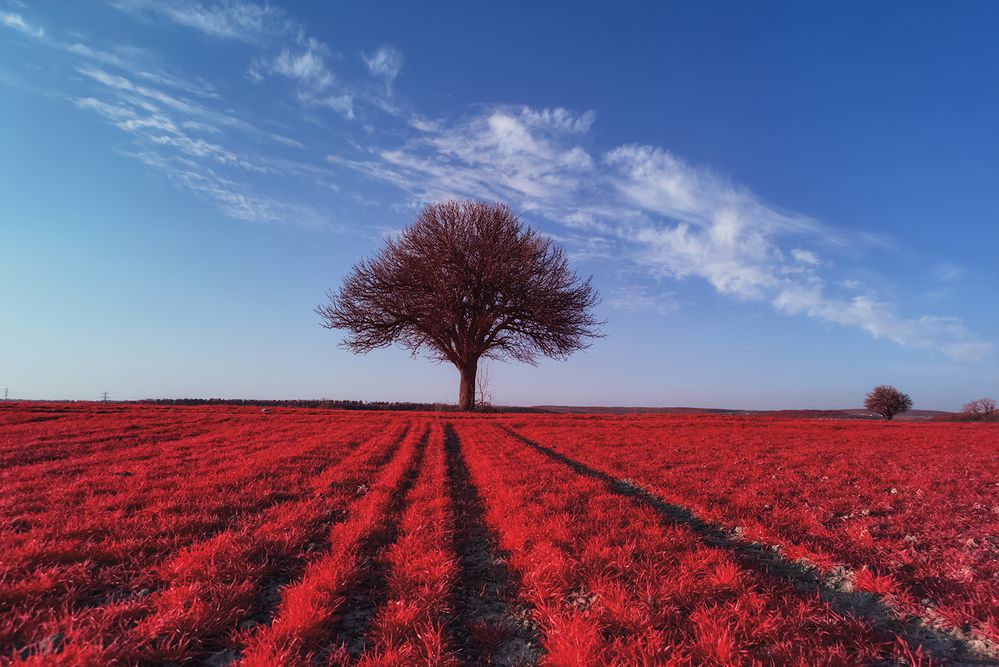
370, 592
292, 566
286, 567
222, 647
487, 626
942, 645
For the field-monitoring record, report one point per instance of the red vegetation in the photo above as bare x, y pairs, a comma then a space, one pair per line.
149, 534
909, 510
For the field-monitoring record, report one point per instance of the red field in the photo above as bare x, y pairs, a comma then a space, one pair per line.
223, 535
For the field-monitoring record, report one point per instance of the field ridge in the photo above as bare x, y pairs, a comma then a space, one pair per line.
942, 643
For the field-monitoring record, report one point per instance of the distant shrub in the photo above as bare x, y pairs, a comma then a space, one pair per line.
981, 408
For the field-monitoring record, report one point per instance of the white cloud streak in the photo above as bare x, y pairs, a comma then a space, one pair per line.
652, 208
286, 50
505, 153
805, 257
229, 19
640, 203
17, 22
384, 64
638, 299
168, 134
306, 65
181, 126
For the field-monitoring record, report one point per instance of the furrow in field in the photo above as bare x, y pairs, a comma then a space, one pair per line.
612, 583
907, 510
874, 609
309, 618
148, 460
127, 440
489, 625
204, 592
369, 592
109, 549
409, 626
123, 487
260, 563
25, 448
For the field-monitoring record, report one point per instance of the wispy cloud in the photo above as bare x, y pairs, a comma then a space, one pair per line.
17, 22
229, 19
879, 319
190, 161
121, 83
949, 272
160, 78
644, 205
805, 256
653, 209
385, 64
286, 49
510, 153
181, 126
639, 299
233, 198
306, 65
169, 135
157, 129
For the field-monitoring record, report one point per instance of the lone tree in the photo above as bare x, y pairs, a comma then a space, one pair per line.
887, 401
467, 280
981, 408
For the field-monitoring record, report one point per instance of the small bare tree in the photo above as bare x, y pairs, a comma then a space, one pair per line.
982, 408
483, 387
887, 401
466, 281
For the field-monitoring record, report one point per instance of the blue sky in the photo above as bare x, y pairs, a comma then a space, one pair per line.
782, 204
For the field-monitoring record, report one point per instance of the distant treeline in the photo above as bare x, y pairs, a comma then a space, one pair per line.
325, 404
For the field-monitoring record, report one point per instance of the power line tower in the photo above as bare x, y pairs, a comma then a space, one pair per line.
104, 397
5, 390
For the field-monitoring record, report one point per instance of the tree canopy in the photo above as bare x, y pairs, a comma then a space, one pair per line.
887, 401
466, 280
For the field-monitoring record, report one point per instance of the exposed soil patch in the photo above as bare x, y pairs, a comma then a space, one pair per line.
489, 625
945, 645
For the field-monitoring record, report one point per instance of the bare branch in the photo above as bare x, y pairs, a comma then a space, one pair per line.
467, 280
981, 408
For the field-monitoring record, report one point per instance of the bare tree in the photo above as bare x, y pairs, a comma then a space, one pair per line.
467, 280
887, 401
987, 407
982, 408
483, 388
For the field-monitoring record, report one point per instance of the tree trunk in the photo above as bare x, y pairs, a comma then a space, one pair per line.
466, 394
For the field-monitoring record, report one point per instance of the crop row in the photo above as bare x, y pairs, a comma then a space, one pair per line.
904, 511
610, 582
302, 538
309, 610
256, 515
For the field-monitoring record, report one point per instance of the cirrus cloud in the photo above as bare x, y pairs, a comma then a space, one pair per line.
647, 206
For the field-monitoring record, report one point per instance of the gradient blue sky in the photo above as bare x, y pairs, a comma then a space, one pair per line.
782, 204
